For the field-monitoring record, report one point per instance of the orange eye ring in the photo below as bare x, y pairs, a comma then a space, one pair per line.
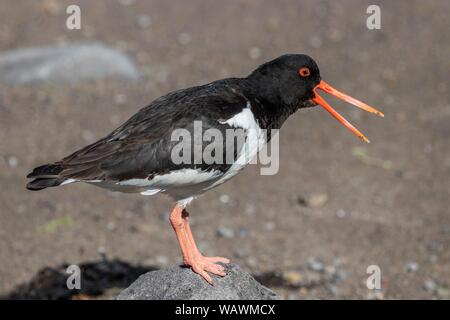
304, 72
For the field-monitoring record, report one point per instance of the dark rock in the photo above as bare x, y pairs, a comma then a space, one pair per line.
69, 63
178, 283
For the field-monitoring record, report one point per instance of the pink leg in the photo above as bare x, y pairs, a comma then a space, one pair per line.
179, 218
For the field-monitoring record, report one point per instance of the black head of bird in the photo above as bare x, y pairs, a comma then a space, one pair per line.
293, 81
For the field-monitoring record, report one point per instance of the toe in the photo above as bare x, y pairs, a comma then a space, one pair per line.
215, 269
217, 259
202, 272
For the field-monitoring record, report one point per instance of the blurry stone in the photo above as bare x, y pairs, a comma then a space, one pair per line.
164, 216
71, 63
111, 226
224, 198
143, 21
333, 290
334, 35
178, 283
250, 209
316, 42
12, 161
255, 53
270, 226
251, 262
293, 278
429, 285
101, 251
331, 270
120, 98
315, 265
224, 232
162, 260
412, 266
341, 213
317, 200
240, 253
184, 38
243, 232
133, 229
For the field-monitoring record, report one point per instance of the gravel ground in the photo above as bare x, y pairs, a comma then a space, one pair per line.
335, 207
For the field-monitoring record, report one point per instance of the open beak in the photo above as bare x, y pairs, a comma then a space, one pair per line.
327, 88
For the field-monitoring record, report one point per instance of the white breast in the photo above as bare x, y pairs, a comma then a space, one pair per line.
255, 140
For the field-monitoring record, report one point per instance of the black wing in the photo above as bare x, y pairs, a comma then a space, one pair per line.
142, 146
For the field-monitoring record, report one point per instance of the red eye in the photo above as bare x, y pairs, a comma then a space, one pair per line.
304, 72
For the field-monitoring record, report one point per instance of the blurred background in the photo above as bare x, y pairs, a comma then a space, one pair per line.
336, 206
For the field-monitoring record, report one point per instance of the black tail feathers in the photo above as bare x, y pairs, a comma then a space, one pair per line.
45, 176
42, 183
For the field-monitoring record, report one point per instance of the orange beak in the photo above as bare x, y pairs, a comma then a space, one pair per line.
327, 88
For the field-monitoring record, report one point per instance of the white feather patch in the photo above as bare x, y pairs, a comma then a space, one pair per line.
255, 140
68, 181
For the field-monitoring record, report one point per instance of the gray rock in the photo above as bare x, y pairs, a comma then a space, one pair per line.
71, 63
178, 283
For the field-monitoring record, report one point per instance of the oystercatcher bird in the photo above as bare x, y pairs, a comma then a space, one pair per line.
138, 155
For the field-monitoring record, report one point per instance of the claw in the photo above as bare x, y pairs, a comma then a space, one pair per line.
201, 265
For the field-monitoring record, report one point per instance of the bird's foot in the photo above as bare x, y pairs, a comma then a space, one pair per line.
201, 265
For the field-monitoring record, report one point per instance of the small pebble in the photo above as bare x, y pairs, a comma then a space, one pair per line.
224, 198
120, 98
12, 161
293, 277
251, 262
341, 213
270, 226
240, 253
412, 266
101, 250
224, 232
111, 226
133, 229
243, 232
316, 42
429, 285
333, 290
250, 209
255, 53
184, 38
143, 21
315, 265
317, 200
164, 216
162, 260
